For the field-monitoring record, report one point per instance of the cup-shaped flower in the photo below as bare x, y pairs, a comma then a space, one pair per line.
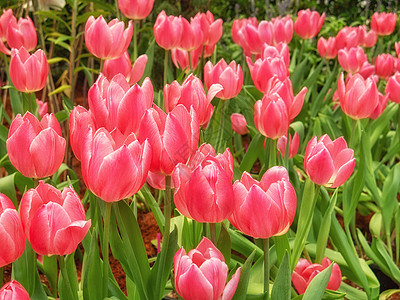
35, 148
329, 163
180, 58
81, 128
136, 9
383, 23
393, 87
5, 18
283, 29
327, 48
379, 109
202, 273
54, 222
250, 39
271, 203
366, 38
212, 29
167, 31
237, 25
11, 232
203, 188
279, 50
28, 72
359, 97
305, 271
173, 137
13, 290
352, 59
384, 65
107, 41
21, 34
239, 124
293, 145
347, 37
192, 35
229, 76
308, 23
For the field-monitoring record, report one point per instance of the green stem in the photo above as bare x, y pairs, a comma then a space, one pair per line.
213, 233
101, 66
166, 57
135, 50
1, 274
65, 277
72, 54
35, 182
266, 268
353, 134
221, 126
272, 153
118, 13
167, 212
105, 248
190, 61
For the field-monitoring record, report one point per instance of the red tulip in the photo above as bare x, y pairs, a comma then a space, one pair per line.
11, 232
327, 48
107, 41
271, 203
293, 145
383, 23
239, 124
281, 50
54, 222
35, 148
359, 97
203, 188
308, 23
192, 36
138, 69
21, 34
202, 273
352, 59
167, 31
367, 70
13, 290
384, 65
180, 58
28, 72
393, 87
136, 9
305, 271
328, 163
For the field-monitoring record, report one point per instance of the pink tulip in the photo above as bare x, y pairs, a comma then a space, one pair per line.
192, 36
212, 30
383, 100
250, 39
347, 37
359, 97
283, 29
138, 69
54, 222
202, 273
352, 59
35, 148
367, 70
393, 87
21, 34
173, 137
11, 233
5, 18
136, 9
180, 58
238, 24
239, 124
13, 290
229, 76
293, 145
203, 188
328, 163
308, 23
42, 107
384, 65
383, 23
366, 38
167, 31
271, 203
107, 41
281, 50
305, 271
397, 48
28, 72
327, 48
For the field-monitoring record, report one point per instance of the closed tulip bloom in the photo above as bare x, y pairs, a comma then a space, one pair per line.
173, 137
192, 36
293, 145
308, 23
54, 222
180, 58
250, 39
211, 29
379, 109
13, 290
107, 41
271, 203
21, 34
383, 23
42, 107
203, 188
28, 72
280, 50
384, 65
238, 24
35, 148
359, 97
81, 128
11, 233
352, 59
202, 273
347, 37
327, 48
137, 69
167, 31
329, 163
283, 29
136, 9
229, 76
239, 124
366, 38
5, 18
393, 88
305, 271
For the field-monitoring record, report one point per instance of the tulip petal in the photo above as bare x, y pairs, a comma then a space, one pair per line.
231, 286
193, 285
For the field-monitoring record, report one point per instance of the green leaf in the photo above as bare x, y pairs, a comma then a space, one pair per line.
52, 15
317, 286
150, 61
224, 243
92, 272
243, 283
7, 187
69, 262
282, 284
155, 208
60, 89
389, 197
255, 149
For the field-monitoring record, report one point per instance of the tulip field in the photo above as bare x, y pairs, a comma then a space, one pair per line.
263, 141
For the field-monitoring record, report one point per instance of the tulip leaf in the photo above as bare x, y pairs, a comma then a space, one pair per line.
64, 290
253, 152
92, 269
150, 60
50, 269
224, 243
155, 208
318, 284
243, 283
298, 75
389, 197
243, 245
15, 101
282, 284
7, 188
60, 89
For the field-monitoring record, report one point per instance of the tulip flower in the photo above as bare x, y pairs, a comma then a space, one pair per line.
212, 30
239, 124
11, 233
54, 222
13, 290
293, 145
281, 50
383, 100
230, 77
367, 70
5, 18
397, 48
393, 87
250, 39
359, 97
35, 148
192, 36
173, 137
42, 107
308, 23
107, 41
203, 188
305, 271
180, 58
202, 273
352, 59
28, 72
21, 34
383, 23
238, 24
366, 38
327, 48
167, 31
271, 203
283, 29
136, 9
347, 37
384, 65
329, 163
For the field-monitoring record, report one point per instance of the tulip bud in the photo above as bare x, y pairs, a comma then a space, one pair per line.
13, 290
327, 48
383, 100
21, 34
383, 23
384, 65
308, 23
239, 124
397, 48
167, 31
192, 36
293, 145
